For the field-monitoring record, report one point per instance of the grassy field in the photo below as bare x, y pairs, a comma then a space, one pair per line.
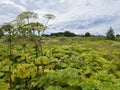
67, 63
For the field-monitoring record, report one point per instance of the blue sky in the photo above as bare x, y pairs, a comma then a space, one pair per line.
79, 16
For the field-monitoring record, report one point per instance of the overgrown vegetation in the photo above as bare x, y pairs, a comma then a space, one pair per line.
69, 63
34, 62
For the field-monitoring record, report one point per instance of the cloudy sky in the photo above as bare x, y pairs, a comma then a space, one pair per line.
79, 16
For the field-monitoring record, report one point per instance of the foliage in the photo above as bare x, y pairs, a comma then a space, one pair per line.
110, 34
56, 63
82, 65
1, 32
66, 34
87, 34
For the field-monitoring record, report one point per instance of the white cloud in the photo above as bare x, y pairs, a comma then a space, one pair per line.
10, 3
94, 16
9, 10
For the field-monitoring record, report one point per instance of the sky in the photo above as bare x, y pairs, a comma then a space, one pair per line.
78, 16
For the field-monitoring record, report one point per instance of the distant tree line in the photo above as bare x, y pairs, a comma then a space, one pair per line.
109, 34
66, 33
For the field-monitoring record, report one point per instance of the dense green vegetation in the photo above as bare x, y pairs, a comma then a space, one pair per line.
31, 61
76, 63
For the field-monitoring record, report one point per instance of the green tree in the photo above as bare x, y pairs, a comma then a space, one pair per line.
68, 34
118, 35
87, 34
1, 32
110, 34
